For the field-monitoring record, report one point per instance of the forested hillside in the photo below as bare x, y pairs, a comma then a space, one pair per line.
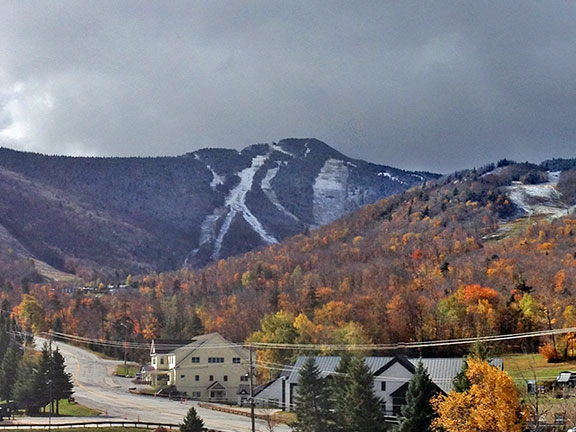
108, 217
456, 257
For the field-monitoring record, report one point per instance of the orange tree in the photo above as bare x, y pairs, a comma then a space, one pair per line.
491, 404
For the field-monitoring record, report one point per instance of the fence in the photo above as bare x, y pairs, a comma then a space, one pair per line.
92, 424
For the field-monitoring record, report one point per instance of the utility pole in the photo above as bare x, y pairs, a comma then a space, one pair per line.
252, 403
123, 324
50, 377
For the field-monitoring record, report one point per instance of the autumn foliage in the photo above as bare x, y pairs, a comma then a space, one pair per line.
491, 404
428, 264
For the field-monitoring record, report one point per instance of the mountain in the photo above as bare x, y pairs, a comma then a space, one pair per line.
123, 215
478, 252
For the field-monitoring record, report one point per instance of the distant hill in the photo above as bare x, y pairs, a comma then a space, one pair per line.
114, 216
478, 252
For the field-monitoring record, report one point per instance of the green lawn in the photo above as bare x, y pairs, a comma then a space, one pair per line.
68, 409
523, 367
129, 371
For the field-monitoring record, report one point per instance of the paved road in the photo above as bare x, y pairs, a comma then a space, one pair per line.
95, 388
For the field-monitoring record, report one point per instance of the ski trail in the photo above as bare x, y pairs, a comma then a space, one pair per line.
236, 203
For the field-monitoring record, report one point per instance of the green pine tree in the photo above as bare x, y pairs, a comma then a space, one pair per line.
313, 400
364, 411
339, 386
61, 380
44, 374
192, 422
28, 391
461, 383
417, 413
9, 370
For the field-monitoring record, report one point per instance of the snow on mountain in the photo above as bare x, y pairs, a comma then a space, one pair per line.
330, 192
287, 186
540, 199
157, 213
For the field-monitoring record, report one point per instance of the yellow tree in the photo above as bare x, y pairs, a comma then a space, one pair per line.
491, 404
31, 314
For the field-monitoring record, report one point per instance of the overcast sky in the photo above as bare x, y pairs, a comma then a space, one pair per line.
436, 85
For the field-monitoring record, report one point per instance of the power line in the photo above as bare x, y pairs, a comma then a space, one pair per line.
410, 345
327, 347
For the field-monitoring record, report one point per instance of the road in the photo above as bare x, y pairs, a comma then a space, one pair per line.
96, 388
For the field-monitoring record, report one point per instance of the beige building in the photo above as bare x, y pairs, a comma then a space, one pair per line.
209, 368
159, 374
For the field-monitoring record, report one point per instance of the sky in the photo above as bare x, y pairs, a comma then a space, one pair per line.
428, 85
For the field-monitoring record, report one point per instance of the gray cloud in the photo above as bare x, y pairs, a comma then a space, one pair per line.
426, 85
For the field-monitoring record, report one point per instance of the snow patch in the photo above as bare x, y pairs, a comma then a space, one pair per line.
216, 178
307, 150
266, 186
330, 192
236, 203
540, 199
391, 177
276, 147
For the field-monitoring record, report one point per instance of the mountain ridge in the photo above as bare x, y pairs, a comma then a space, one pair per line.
141, 214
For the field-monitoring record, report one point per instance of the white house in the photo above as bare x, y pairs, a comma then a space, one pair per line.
391, 377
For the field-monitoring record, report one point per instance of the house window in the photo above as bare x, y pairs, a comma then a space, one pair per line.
383, 404
211, 377
244, 378
182, 376
196, 394
195, 359
236, 360
215, 359
225, 377
197, 378
162, 360
383, 385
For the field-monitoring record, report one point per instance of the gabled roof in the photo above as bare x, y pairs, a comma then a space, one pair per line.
201, 340
328, 364
441, 370
283, 375
165, 346
216, 386
400, 392
244, 389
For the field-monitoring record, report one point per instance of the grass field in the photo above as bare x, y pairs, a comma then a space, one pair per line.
68, 409
523, 367
129, 371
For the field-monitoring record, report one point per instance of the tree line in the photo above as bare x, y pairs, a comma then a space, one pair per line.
484, 399
30, 379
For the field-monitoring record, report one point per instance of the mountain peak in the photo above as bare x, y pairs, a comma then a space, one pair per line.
143, 214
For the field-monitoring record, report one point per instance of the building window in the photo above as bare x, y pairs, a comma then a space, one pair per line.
215, 359
383, 386
182, 376
197, 378
211, 377
244, 378
236, 360
195, 359
162, 360
196, 394
225, 377
383, 404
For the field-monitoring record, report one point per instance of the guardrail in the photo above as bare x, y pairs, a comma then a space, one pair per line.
94, 424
